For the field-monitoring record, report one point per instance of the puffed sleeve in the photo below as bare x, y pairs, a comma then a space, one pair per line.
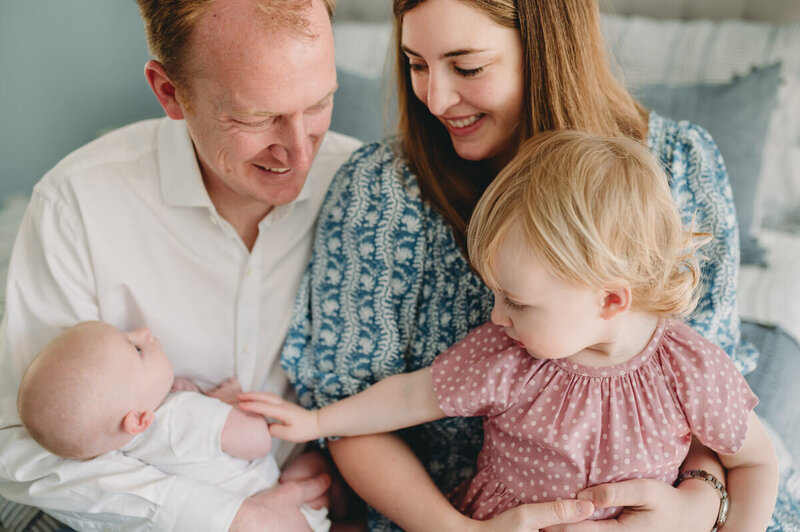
482, 375
714, 396
702, 191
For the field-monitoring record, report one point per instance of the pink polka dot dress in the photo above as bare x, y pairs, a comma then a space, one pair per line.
552, 427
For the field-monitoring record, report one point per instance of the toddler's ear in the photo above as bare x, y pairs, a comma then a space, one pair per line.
136, 422
615, 301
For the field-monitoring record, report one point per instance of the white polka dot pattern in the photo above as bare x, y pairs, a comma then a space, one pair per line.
553, 427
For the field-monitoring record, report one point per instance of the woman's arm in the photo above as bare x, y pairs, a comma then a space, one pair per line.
655, 506
384, 471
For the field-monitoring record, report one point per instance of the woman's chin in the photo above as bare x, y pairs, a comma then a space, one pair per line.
471, 152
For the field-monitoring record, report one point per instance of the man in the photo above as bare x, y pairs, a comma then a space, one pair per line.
198, 226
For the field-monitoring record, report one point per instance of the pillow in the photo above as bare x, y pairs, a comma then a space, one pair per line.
769, 295
679, 52
358, 107
737, 115
362, 50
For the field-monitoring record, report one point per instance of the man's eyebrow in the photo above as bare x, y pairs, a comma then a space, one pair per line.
454, 53
270, 114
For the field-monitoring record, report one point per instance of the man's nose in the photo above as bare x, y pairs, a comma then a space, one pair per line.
293, 146
442, 93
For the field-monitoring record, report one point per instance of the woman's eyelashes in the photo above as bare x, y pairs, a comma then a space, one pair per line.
463, 72
469, 72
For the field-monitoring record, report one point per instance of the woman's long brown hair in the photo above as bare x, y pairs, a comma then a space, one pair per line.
568, 85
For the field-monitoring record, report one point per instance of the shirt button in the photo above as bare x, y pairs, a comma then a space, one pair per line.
245, 348
213, 220
249, 271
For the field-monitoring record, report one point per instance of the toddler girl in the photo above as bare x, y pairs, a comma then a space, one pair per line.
584, 376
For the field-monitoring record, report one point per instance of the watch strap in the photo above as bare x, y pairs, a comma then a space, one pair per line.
719, 487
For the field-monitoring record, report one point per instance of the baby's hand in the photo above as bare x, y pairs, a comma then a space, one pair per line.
227, 391
182, 384
296, 423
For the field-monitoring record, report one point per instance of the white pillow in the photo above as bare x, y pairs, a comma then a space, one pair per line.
673, 52
771, 296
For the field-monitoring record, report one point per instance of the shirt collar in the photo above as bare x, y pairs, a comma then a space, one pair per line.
181, 181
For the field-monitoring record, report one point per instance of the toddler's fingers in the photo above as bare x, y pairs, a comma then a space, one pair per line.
264, 409
263, 397
276, 430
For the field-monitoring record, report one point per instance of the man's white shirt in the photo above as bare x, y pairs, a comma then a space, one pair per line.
123, 231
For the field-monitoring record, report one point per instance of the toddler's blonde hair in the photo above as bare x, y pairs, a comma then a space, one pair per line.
599, 212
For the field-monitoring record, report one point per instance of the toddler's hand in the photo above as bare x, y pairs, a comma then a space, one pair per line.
296, 423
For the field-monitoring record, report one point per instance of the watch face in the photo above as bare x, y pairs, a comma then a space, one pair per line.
722, 516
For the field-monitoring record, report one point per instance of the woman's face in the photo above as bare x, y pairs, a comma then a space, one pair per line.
467, 70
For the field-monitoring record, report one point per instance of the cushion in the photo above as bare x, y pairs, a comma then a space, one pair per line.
358, 107
679, 52
770, 295
737, 114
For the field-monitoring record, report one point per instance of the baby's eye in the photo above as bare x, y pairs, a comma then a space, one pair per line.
138, 350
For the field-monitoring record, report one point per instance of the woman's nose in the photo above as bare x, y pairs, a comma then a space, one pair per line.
442, 93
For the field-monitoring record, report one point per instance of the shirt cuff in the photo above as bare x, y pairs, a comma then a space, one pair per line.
194, 506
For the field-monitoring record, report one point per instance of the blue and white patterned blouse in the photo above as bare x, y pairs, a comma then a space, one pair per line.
388, 288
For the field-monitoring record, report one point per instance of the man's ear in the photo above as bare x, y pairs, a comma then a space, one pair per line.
163, 88
136, 422
615, 301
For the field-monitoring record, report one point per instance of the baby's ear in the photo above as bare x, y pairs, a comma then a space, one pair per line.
615, 301
136, 422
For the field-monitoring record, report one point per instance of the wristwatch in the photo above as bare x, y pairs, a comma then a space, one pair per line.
724, 502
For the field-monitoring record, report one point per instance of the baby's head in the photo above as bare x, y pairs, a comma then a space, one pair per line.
92, 388
595, 212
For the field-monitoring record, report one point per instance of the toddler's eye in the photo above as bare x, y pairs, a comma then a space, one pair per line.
138, 349
511, 304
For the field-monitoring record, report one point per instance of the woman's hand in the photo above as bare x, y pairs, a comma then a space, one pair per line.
535, 516
650, 505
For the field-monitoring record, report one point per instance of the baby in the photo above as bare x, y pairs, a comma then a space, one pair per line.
585, 375
95, 389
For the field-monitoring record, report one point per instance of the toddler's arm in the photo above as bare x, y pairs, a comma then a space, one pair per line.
394, 403
752, 480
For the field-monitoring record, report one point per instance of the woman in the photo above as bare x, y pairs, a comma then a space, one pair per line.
389, 286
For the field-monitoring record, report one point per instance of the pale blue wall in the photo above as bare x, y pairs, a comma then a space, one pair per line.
69, 69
